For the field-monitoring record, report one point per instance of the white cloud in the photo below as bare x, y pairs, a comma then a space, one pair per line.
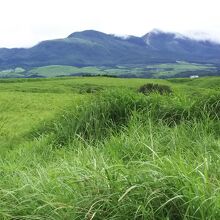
26, 22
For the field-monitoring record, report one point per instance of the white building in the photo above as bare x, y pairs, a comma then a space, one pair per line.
194, 77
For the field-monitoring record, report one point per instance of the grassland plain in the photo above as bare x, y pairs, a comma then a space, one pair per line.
95, 148
179, 69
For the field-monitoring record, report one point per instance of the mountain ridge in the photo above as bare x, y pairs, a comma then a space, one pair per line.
91, 47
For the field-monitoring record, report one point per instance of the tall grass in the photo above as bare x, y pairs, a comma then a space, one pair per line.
110, 111
121, 155
97, 117
147, 171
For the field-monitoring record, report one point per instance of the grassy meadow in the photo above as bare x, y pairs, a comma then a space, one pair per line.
99, 148
163, 70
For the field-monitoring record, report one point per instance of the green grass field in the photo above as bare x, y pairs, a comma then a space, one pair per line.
96, 148
130, 71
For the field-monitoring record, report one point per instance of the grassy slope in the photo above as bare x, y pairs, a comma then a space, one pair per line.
145, 71
207, 83
156, 70
56, 70
146, 170
17, 72
181, 67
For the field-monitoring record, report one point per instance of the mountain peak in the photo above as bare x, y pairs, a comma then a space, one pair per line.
161, 36
158, 32
87, 33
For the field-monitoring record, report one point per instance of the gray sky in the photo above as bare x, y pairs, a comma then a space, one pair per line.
23, 23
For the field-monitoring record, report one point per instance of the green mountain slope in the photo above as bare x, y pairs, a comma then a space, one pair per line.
89, 48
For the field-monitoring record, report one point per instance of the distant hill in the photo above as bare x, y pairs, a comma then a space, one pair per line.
93, 48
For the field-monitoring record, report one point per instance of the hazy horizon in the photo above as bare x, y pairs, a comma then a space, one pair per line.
24, 23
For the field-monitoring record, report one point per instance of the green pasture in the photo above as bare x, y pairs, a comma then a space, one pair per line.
98, 148
127, 71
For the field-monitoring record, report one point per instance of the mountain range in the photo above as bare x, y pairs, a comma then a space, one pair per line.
94, 48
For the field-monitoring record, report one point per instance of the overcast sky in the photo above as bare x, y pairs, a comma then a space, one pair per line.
23, 23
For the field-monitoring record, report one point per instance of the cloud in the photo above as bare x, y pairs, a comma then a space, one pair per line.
124, 37
26, 22
204, 36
